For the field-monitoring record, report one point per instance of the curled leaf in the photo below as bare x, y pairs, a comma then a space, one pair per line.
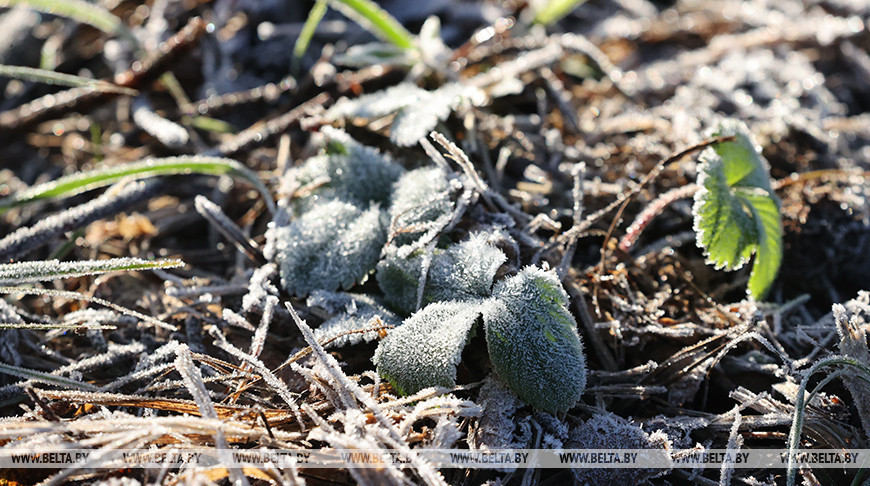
334, 244
425, 350
736, 211
533, 342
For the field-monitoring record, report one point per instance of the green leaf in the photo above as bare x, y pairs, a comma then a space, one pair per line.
426, 349
85, 181
421, 203
348, 170
736, 211
308, 28
41, 271
334, 244
464, 271
533, 342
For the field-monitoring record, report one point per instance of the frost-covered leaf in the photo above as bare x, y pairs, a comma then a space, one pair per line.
417, 110
421, 201
463, 271
335, 244
736, 211
533, 342
425, 350
352, 312
609, 431
41, 271
349, 171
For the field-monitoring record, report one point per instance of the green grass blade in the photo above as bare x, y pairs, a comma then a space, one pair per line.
80, 11
46, 378
554, 10
50, 77
85, 181
41, 271
376, 20
314, 17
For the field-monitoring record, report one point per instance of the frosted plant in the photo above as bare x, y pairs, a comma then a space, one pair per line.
347, 170
41, 271
736, 211
417, 110
463, 271
421, 201
334, 244
533, 342
609, 431
531, 336
351, 312
443, 329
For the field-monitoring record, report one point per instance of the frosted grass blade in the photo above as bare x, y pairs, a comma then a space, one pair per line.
25, 73
85, 181
40, 271
49, 379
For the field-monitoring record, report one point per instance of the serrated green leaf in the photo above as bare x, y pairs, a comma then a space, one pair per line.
334, 244
533, 342
463, 271
736, 211
425, 350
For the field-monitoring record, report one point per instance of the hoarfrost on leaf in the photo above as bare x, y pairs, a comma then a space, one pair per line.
609, 431
425, 350
533, 342
335, 244
421, 201
352, 312
461, 272
736, 211
351, 171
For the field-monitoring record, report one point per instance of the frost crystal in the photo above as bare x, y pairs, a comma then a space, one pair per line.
349, 170
352, 312
421, 200
335, 244
608, 431
463, 271
424, 352
533, 341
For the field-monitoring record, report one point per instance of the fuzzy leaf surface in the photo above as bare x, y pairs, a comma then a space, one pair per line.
350, 171
334, 244
736, 211
426, 349
421, 201
533, 342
